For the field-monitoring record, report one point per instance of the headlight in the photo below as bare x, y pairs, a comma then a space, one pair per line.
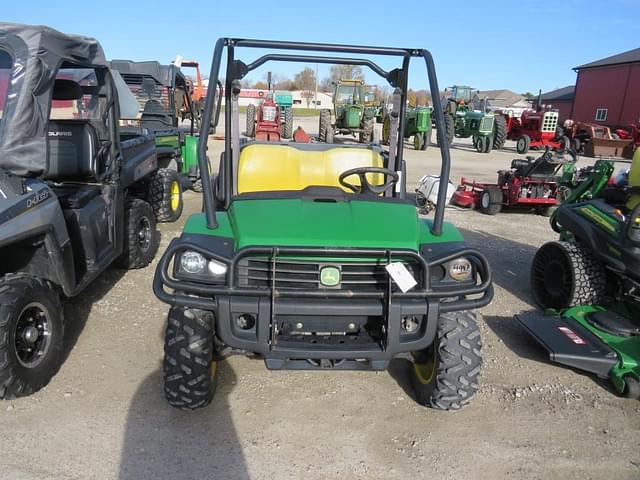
460, 269
217, 268
192, 262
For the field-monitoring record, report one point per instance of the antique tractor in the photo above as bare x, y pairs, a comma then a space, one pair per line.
351, 111
418, 125
268, 124
535, 129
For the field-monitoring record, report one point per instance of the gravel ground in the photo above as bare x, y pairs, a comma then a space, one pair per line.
104, 416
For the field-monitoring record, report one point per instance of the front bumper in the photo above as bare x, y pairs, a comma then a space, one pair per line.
291, 327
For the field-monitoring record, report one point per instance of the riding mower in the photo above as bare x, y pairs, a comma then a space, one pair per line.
588, 281
539, 184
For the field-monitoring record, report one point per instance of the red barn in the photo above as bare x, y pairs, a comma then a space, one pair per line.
608, 90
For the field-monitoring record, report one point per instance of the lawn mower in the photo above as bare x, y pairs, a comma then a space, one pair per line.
311, 255
589, 281
539, 184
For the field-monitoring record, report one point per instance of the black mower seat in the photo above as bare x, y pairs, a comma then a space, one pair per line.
613, 323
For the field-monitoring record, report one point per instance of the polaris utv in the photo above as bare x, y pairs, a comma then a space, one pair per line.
312, 257
74, 193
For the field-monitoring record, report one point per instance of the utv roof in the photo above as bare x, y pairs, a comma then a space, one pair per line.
163, 74
52, 46
38, 52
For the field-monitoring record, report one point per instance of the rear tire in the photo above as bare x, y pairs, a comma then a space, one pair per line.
29, 357
325, 130
449, 128
565, 274
287, 126
250, 130
368, 123
491, 201
196, 186
445, 375
141, 240
165, 195
386, 129
631, 388
522, 144
499, 132
190, 373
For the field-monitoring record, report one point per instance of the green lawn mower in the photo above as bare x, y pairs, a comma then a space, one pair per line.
588, 281
418, 126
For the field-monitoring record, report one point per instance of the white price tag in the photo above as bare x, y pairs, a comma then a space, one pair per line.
401, 276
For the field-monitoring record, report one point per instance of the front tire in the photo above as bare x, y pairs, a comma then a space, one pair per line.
445, 375
491, 201
141, 240
522, 144
565, 274
31, 335
190, 373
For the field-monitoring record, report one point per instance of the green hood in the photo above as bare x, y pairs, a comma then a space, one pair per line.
302, 222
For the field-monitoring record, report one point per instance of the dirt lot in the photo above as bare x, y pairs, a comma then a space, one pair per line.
104, 416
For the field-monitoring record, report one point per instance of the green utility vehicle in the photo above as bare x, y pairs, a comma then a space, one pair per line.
352, 111
465, 117
163, 95
418, 126
75, 194
311, 256
589, 281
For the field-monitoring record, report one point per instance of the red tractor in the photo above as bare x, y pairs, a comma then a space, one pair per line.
539, 184
267, 126
535, 129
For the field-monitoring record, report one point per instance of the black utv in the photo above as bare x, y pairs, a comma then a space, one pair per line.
74, 192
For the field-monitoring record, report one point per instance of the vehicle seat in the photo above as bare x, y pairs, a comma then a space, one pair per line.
154, 117
277, 167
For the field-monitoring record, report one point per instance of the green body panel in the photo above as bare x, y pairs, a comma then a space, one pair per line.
305, 223
190, 152
473, 124
350, 118
600, 218
418, 120
168, 141
627, 348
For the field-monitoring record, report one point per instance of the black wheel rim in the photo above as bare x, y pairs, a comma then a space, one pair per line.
552, 278
144, 233
32, 337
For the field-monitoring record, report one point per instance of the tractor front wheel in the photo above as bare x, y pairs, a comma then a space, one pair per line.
565, 274
522, 144
418, 141
445, 375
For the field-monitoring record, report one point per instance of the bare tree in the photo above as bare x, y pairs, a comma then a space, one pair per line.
306, 81
345, 72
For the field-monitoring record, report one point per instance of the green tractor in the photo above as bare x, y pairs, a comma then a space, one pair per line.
588, 281
466, 116
418, 126
352, 110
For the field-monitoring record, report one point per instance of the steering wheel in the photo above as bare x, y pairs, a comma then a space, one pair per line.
391, 178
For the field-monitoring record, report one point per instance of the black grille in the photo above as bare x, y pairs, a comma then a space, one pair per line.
303, 275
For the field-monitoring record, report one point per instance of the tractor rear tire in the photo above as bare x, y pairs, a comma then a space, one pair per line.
386, 129
31, 334
445, 375
449, 128
251, 121
287, 126
499, 132
368, 124
141, 240
190, 372
565, 274
522, 144
325, 131
491, 200
165, 195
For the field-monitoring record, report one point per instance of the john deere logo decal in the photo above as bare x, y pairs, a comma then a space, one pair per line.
329, 276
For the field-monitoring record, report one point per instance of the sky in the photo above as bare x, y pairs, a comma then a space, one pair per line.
522, 45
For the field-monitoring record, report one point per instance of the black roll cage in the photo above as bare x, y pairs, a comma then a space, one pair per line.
397, 78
